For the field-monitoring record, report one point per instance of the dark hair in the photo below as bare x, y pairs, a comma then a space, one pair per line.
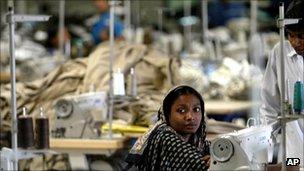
295, 10
174, 94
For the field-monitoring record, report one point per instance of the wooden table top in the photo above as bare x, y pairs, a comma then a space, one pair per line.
226, 107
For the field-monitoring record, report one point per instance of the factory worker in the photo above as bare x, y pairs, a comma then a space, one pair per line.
178, 140
271, 88
101, 29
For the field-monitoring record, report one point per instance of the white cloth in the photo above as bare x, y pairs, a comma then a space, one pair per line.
271, 91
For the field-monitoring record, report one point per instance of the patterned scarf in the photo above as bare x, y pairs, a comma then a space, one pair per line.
197, 141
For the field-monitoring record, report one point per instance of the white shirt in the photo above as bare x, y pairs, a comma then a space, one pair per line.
271, 91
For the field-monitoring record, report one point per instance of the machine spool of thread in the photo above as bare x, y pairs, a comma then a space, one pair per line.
287, 100
132, 83
42, 131
25, 131
118, 83
298, 101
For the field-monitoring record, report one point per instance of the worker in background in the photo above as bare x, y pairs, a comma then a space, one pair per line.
101, 29
178, 140
228, 10
271, 88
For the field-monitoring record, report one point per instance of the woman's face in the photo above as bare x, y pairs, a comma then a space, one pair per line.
186, 114
296, 39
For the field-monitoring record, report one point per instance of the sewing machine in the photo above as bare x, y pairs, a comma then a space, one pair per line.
80, 116
247, 149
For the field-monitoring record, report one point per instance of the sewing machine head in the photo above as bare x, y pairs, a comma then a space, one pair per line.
80, 116
247, 149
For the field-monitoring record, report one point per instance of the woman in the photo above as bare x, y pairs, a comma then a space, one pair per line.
178, 139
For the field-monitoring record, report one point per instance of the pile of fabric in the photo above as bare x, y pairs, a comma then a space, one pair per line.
155, 72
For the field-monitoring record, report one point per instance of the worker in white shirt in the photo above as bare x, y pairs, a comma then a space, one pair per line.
271, 88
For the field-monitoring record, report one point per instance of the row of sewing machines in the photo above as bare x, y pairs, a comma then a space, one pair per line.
248, 149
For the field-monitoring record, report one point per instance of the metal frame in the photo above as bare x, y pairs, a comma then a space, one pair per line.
253, 17
127, 20
11, 19
61, 27
282, 22
205, 21
187, 29
111, 58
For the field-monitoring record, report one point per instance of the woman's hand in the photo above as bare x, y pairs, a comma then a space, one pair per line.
207, 160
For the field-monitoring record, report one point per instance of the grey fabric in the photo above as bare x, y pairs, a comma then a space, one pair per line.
79, 76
